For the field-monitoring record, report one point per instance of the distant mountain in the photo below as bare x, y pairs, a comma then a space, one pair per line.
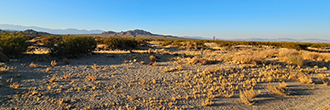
138, 33
27, 32
284, 40
53, 31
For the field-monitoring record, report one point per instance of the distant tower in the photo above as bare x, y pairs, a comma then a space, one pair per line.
213, 37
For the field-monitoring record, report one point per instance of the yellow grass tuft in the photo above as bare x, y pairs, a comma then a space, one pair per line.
34, 65
207, 102
323, 108
91, 78
305, 79
95, 66
245, 99
53, 63
153, 58
4, 69
52, 80
15, 85
280, 90
48, 69
250, 93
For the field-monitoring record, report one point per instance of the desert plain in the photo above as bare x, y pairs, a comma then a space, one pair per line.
170, 77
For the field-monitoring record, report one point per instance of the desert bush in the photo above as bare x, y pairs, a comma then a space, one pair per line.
72, 47
50, 40
286, 52
12, 45
309, 55
295, 59
245, 99
305, 79
279, 90
117, 42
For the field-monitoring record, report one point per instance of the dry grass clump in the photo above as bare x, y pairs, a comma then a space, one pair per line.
153, 58
322, 77
305, 79
310, 55
52, 80
250, 93
95, 66
4, 69
245, 99
286, 52
207, 102
196, 59
34, 65
279, 90
91, 78
53, 63
48, 69
295, 59
179, 67
268, 53
323, 108
15, 85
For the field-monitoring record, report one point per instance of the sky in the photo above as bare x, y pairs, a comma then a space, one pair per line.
225, 19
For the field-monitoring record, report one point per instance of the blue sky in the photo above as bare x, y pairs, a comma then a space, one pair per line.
225, 19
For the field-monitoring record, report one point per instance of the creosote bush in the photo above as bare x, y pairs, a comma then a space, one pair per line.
116, 42
13, 45
72, 47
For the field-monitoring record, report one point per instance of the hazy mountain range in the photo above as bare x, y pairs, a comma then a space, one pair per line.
131, 33
53, 31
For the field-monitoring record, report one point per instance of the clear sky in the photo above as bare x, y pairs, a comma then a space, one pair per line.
225, 19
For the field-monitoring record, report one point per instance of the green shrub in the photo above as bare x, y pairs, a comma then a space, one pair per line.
72, 47
116, 42
13, 45
50, 39
168, 42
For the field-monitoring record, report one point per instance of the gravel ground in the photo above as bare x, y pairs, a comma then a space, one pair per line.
133, 85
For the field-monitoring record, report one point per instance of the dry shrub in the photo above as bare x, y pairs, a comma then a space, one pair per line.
66, 76
207, 102
95, 66
279, 90
91, 78
310, 55
250, 93
305, 79
53, 63
153, 58
321, 77
34, 65
48, 69
15, 85
295, 59
52, 80
204, 61
323, 108
324, 57
245, 99
4, 69
179, 67
196, 59
268, 53
286, 52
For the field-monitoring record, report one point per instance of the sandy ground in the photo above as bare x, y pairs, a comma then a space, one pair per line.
133, 85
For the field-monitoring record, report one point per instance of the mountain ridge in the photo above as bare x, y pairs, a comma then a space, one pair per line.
53, 31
